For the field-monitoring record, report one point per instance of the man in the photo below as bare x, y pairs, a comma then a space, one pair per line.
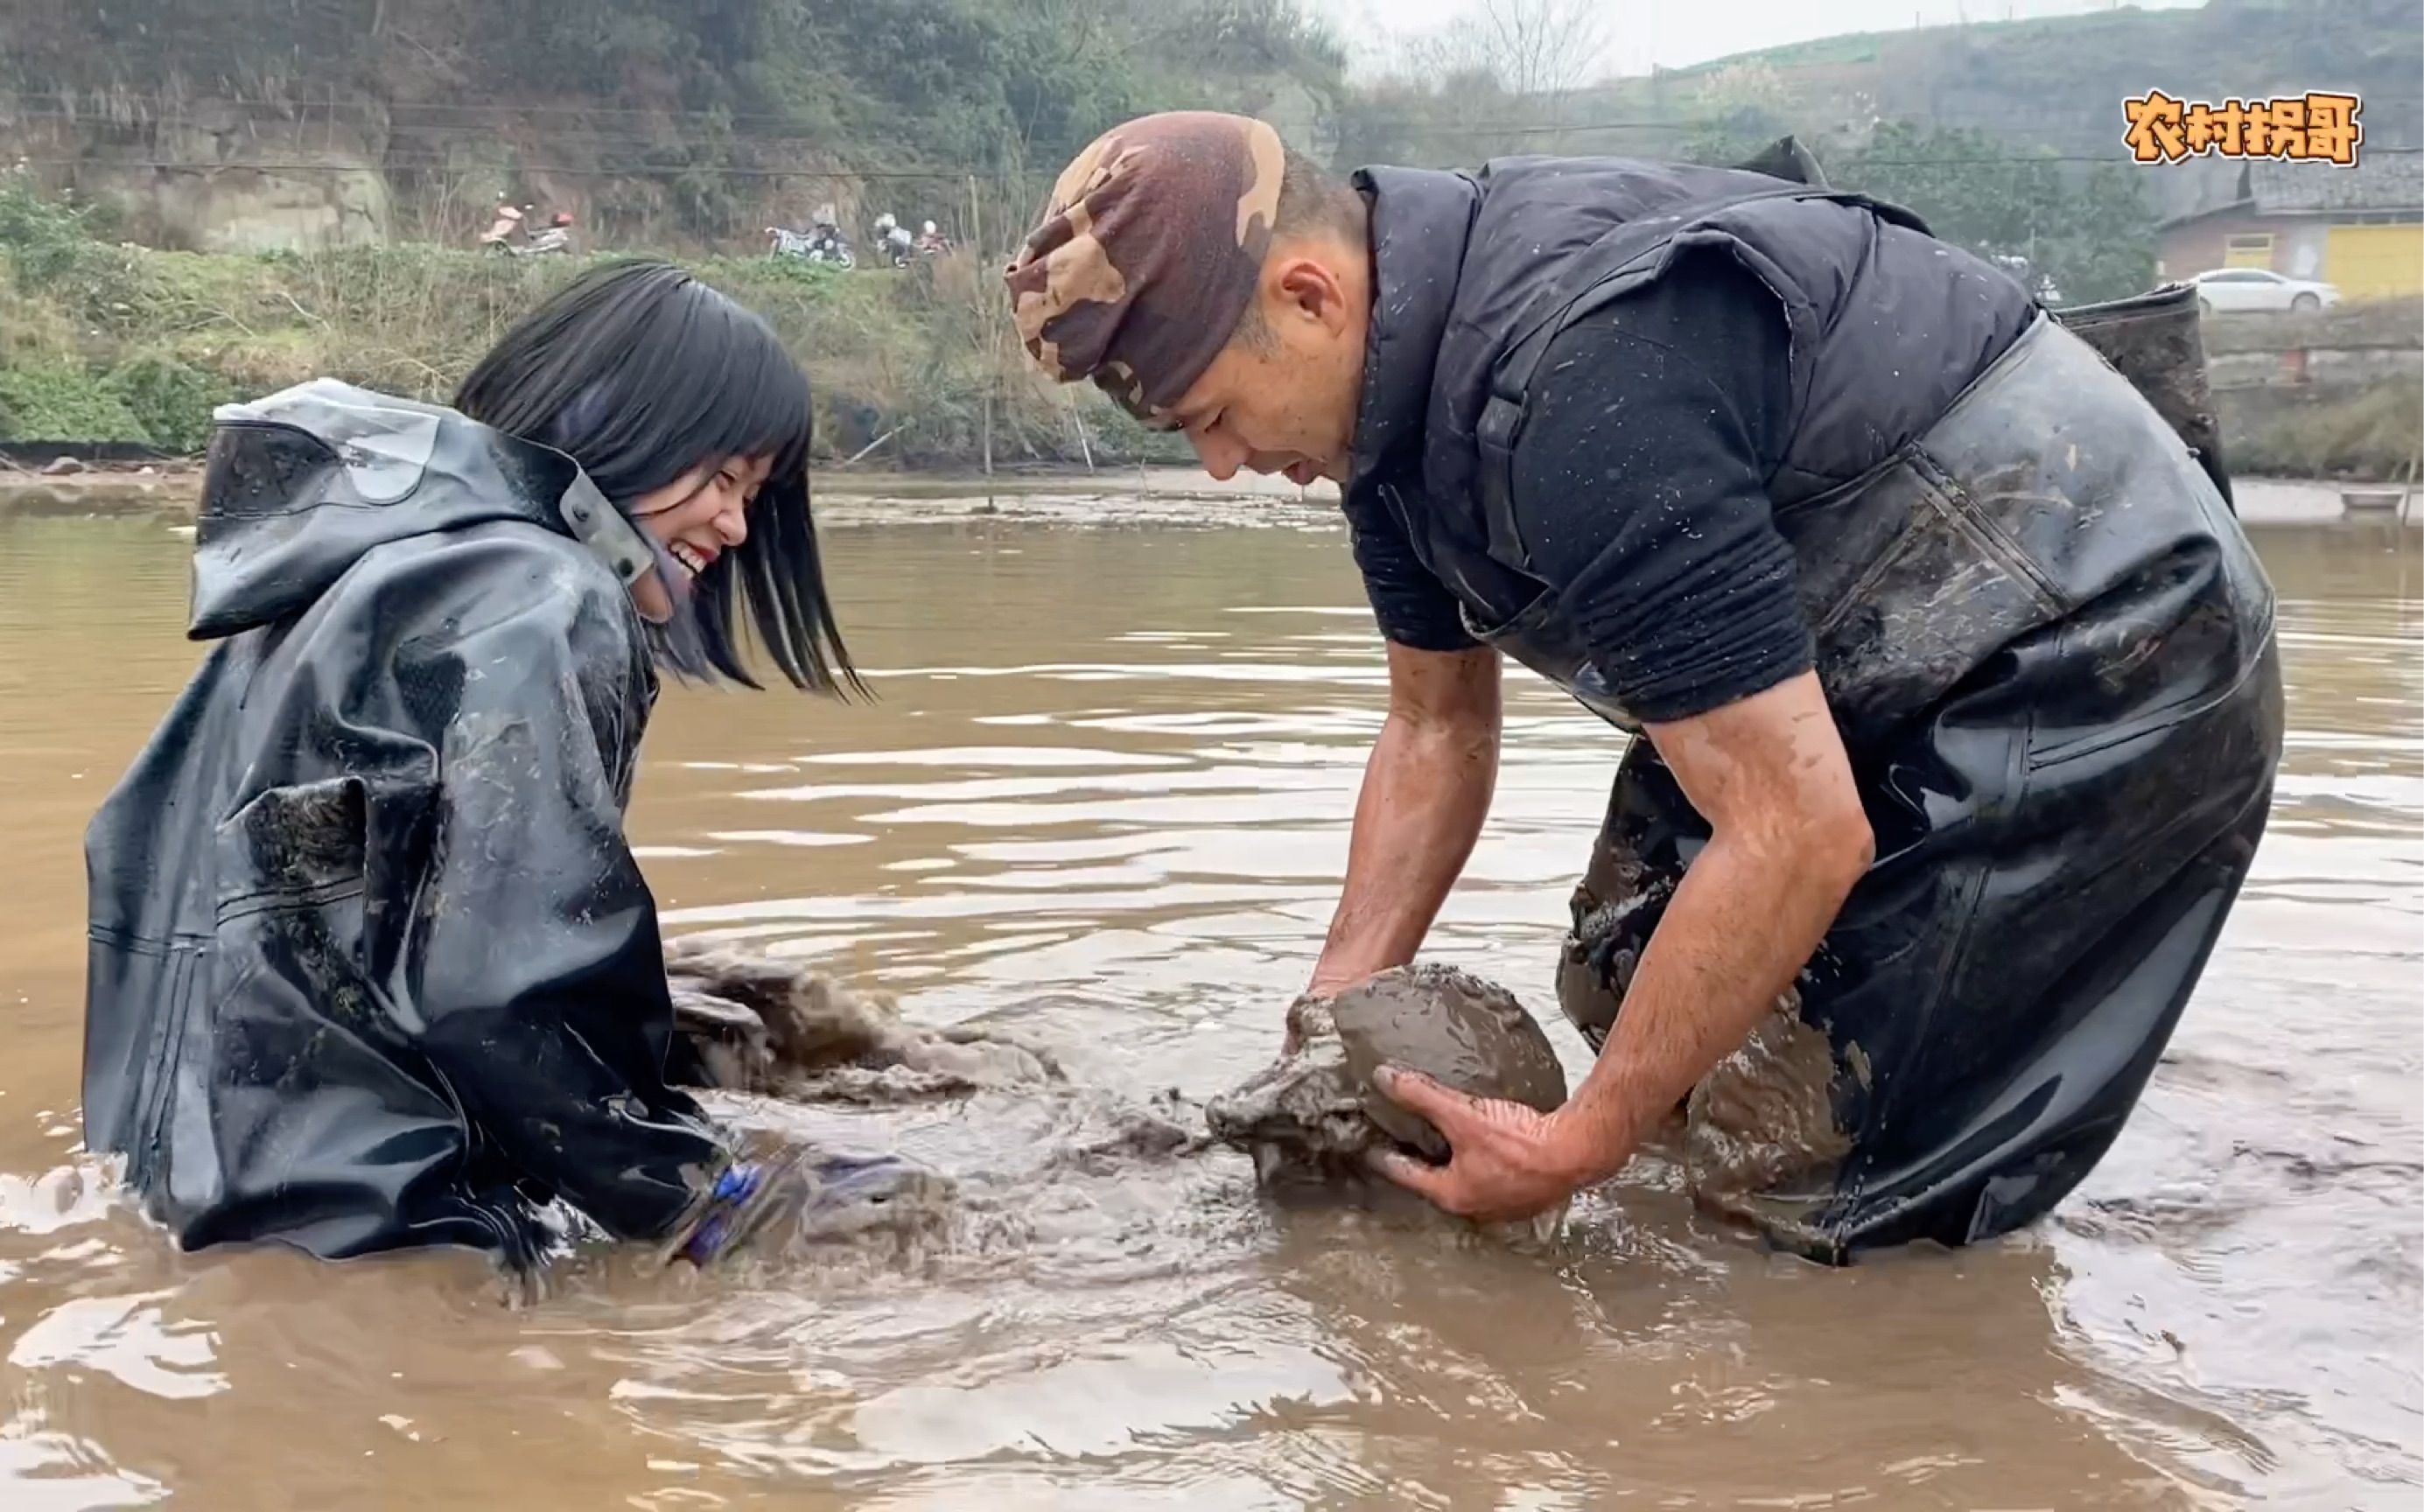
1955, 675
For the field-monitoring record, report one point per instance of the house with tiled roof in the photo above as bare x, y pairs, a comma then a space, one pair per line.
2360, 227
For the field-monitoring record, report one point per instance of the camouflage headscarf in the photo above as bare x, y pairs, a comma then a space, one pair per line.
1148, 254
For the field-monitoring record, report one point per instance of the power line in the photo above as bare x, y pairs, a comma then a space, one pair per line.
323, 106
486, 118
391, 165
439, 166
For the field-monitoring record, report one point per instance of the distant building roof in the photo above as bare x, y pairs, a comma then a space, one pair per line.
2385, 180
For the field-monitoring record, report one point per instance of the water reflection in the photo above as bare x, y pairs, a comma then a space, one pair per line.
1104, 795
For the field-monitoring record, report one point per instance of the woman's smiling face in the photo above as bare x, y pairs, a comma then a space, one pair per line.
696, 518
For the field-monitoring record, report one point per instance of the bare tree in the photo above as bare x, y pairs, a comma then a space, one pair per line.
1527, 47
1501, 77
1542, 47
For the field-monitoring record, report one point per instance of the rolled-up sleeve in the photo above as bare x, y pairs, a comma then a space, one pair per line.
1412, 606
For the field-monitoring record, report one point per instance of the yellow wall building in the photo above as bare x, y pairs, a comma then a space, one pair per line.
2358, 228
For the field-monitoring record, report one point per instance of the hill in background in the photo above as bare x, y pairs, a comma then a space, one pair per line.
229, 124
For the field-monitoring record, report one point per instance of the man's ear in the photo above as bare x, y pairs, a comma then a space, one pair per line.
1309, 287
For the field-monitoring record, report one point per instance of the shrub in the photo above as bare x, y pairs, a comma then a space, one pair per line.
170, 399
60, 402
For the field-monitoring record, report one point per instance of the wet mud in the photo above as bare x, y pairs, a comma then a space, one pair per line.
754, 1023
792, 1041
795, 1039
1314, 1114
1761, 1141
1757, 1140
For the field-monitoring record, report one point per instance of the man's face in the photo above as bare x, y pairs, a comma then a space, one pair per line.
1284, 401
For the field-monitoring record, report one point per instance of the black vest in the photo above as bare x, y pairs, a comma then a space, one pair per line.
1889, 329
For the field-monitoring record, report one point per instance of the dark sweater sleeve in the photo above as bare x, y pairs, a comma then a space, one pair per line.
1412, 606
1640, 491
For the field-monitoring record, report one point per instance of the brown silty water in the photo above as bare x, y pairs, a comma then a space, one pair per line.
1100, 811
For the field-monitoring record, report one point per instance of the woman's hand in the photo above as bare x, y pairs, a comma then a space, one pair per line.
1507, 1162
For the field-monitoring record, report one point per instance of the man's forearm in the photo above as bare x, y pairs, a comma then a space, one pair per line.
1427, 790
1742, 922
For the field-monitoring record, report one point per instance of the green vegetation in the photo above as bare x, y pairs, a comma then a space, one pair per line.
106, 342
2371, 435
671, 122
2059, 82
2091, 234
59, 399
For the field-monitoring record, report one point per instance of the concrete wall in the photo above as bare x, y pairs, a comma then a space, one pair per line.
2340, 391
210, 179
2354, 347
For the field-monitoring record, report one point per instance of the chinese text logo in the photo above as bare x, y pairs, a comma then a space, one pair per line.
2309, 128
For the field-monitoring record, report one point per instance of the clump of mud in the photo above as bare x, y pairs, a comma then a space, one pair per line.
1316, 1115
1034, 1159
880, 1208
757, 1024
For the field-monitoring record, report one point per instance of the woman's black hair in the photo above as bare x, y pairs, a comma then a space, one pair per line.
642, 374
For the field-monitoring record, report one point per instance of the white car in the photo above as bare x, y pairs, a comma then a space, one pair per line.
2231, 290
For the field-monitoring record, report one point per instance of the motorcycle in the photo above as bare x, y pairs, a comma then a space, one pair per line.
821, 245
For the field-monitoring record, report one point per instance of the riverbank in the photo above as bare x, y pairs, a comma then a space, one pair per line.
105, 344
1144, 495
116, 345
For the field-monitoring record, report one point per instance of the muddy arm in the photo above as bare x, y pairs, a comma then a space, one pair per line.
1425, 791
1789, 840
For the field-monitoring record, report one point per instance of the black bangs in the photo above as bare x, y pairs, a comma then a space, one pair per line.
643, 374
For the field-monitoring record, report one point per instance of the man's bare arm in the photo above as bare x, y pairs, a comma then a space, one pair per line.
1789, 840
1427, 789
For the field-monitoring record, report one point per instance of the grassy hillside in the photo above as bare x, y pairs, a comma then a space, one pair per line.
101, 342
2054, 85
676, 125
663, 122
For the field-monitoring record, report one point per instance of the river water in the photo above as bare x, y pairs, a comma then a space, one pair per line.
1103, 799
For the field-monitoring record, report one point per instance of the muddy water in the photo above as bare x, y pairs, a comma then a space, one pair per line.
1104, 800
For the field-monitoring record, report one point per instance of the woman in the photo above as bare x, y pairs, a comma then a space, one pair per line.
372, 966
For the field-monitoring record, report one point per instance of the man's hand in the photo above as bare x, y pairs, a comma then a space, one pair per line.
1507, 1161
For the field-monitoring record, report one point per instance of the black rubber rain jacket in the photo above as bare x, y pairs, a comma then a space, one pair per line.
370, 964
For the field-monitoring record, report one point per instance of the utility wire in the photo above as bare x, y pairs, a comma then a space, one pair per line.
392, 165
486, 117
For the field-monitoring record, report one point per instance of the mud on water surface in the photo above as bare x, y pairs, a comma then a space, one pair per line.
1096, 817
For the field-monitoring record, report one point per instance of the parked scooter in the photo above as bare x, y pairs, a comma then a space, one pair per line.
503, 232
821, 244
557, 238
510, 232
